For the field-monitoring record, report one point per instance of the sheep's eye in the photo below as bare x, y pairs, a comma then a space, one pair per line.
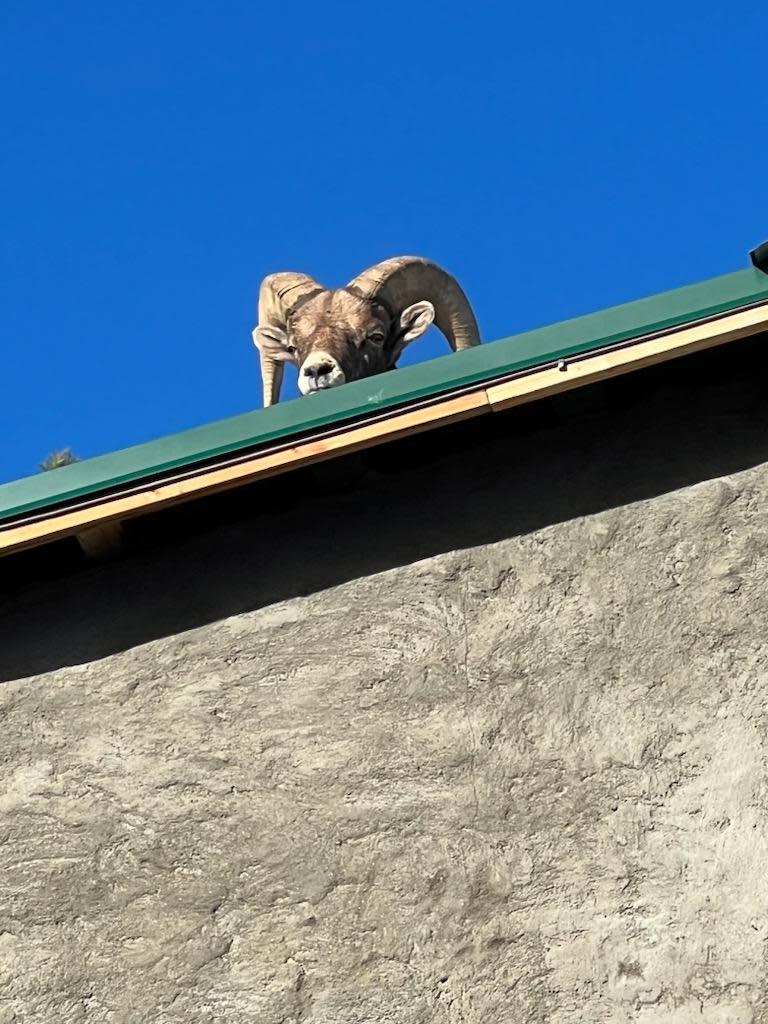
291, 350
376, 337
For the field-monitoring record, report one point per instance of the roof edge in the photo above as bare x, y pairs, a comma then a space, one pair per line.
299, 417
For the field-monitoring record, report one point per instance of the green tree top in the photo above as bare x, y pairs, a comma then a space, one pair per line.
63, 457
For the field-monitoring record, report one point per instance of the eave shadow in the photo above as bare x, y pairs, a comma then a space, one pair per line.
604, 446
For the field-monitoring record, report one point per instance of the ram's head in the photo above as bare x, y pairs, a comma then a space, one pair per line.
344, 334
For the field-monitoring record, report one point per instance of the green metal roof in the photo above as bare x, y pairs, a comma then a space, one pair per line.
447, 373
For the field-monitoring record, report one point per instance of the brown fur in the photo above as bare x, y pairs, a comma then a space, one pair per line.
344, 334
358, 333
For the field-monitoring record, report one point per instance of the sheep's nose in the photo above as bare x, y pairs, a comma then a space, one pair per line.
317, 370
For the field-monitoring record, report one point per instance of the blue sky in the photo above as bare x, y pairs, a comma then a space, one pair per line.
159, 159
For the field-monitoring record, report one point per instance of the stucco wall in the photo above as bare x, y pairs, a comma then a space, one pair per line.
481, 739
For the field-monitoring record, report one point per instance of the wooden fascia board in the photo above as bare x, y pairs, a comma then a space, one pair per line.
209, 481
604, 365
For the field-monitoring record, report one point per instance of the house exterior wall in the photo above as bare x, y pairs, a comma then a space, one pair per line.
486, 740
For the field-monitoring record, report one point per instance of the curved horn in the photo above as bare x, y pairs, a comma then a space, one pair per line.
278, 295
271, 378
403, 280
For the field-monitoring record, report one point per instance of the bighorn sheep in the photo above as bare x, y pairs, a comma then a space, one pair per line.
344, 334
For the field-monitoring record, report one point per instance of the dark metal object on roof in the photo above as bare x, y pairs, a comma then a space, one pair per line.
759, 257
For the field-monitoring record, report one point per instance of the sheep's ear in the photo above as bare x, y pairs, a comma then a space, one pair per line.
272, 341
414, 320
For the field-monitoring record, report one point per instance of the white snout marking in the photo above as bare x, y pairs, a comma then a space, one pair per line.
331, 379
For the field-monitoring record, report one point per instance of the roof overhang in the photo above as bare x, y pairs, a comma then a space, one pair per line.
86, 498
